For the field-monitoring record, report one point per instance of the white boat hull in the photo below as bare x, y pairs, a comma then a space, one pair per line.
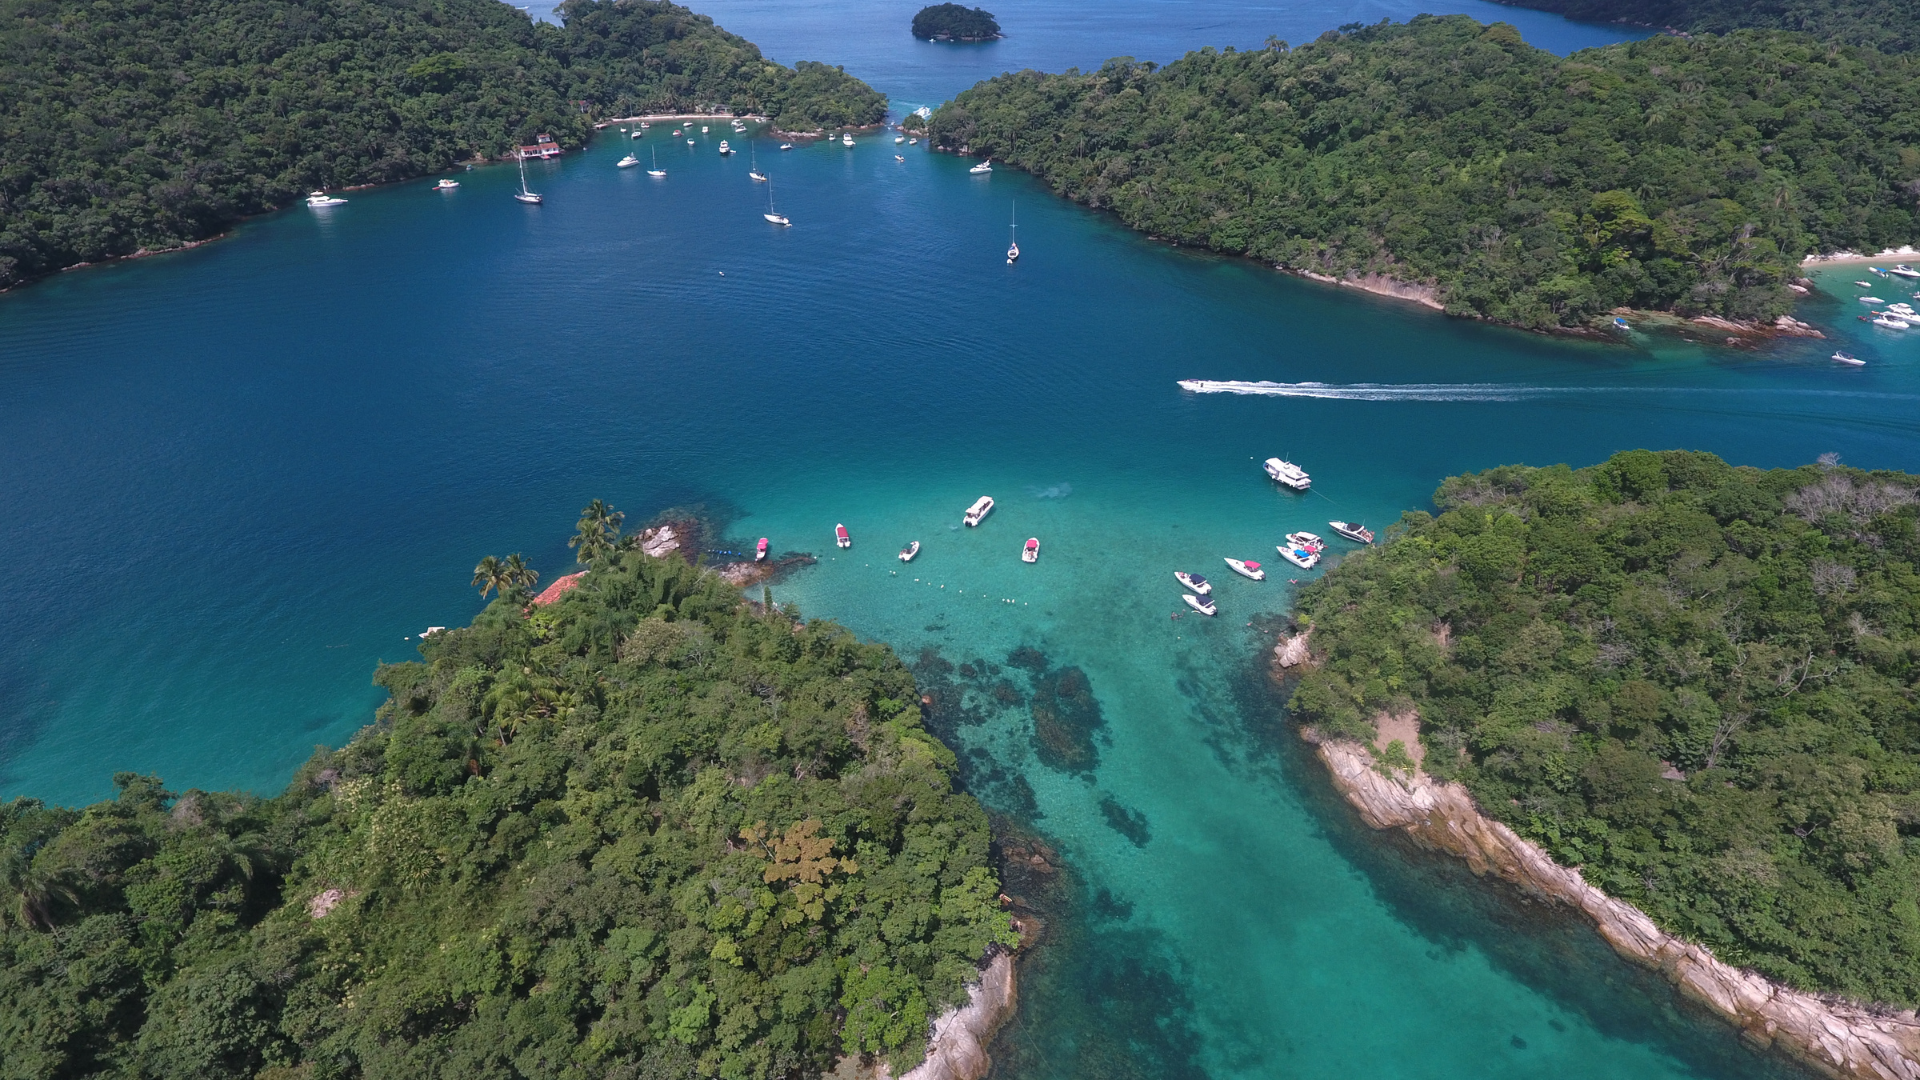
1308, 562
912, 550
1030, 553
1246, 570
1198, 585
1202, 606
776, 219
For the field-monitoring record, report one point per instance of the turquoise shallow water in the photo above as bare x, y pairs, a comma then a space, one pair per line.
238, 477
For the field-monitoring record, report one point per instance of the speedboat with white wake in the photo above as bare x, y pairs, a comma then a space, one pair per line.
1352, 530
1286, 472
1247, 568
1843, 358
321, 198
1031, 553
907, 553
760, 550
1304, 558
840, 536
977, 513
1201, 604
1193, 581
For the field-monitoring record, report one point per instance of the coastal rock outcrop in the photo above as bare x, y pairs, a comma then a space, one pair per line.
1838, 1038
958, 1049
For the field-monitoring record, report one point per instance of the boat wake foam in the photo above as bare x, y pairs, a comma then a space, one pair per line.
1481, 391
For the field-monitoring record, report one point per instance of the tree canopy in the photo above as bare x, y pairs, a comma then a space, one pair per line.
954, 22
648, 830
1890, 25
1685, 175
145, 124
1694, 682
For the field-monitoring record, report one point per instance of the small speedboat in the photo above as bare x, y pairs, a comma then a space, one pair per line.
1201, 604
1864, 284
913, 141
627, 162
1871, 300
846, 138
1620, 323
786, 146
897, 157
321, 198
1904, 271
1247, 568
898, 139
983, 167
1031, 553
976, 513
1193, 581
1843, 358
760, 550
1307, 540
907, 553
840, 536
676, 131
1890, 322
446, 185
1299, 556
703, 129
1352, 530
689, 142
725, 150
1286, 472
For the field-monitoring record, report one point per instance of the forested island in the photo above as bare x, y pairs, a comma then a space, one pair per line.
1692, 681
646, 830
954, 22
1890, 25
144, 124
1667, 174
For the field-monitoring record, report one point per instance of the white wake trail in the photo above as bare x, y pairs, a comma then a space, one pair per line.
1379, 391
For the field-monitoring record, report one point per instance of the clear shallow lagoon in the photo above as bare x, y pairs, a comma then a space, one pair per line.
235, 478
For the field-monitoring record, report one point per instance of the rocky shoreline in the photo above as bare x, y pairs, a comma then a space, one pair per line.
1837, 1038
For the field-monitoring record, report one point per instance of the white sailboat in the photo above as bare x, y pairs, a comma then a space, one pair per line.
656, 170
1013, 237
755, 172
523, 194
771, 215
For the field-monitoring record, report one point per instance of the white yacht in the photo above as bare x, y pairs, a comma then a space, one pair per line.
1307, 540
1289, 474
1031, 553
898, 139
915, 141
1193, 581
446, 185
1353, 531
1843, 358
1870, 300
846, 138
1905, 271
1201, 604
703, 129
786, 146
1299, 556
983, 167
907, 553
976, 513
1890, 322
1247, 568
627, 162
321, 198
724, 148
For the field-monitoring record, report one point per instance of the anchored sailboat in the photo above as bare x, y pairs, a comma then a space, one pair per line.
656, 170
770, 215
1013, 236
754, 156
523, 194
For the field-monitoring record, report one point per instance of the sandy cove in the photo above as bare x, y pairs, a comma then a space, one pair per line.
1838, 1038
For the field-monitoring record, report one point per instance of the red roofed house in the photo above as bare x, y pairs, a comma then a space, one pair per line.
560, 585
543, 147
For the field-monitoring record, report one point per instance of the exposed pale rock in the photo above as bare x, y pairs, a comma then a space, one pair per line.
1292, 651
958, 1049
320, 905
1839, 1039
659, 542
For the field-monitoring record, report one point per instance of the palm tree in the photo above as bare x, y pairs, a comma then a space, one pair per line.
491, 575
606, 517
519, 574
28, 893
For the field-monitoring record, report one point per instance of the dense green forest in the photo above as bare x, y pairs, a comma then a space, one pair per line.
1889, 25
955, 22
648, 831
1672, 174
1696, 682
143, 124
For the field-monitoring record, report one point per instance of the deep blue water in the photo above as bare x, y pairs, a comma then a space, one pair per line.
236, 478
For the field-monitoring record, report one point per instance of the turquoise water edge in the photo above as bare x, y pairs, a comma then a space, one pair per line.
240, 476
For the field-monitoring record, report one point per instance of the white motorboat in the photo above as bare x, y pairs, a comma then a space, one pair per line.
1031, 553
523, 194
689, 142
915, 141
1352, 530
907, 553
321, 198
786, 146
774, 215
1904, 271
656, 170
703, 129
840, 536
1013, 236
1864, 284
446, 185
1299, 556
725, 150
627, 162
1288, 473
846, 138
640, 132
1843, 358
1871, 300
1890, 322
1201, 604
898, 139
1247, 568
983, 167
1193, 581
760, 550
1307, 540
977, 513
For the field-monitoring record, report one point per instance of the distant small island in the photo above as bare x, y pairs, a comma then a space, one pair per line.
955, 22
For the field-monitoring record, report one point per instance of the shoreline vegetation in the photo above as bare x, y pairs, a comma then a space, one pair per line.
144, 126
647, 828
1669, 680
1887, 25
1680, 175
